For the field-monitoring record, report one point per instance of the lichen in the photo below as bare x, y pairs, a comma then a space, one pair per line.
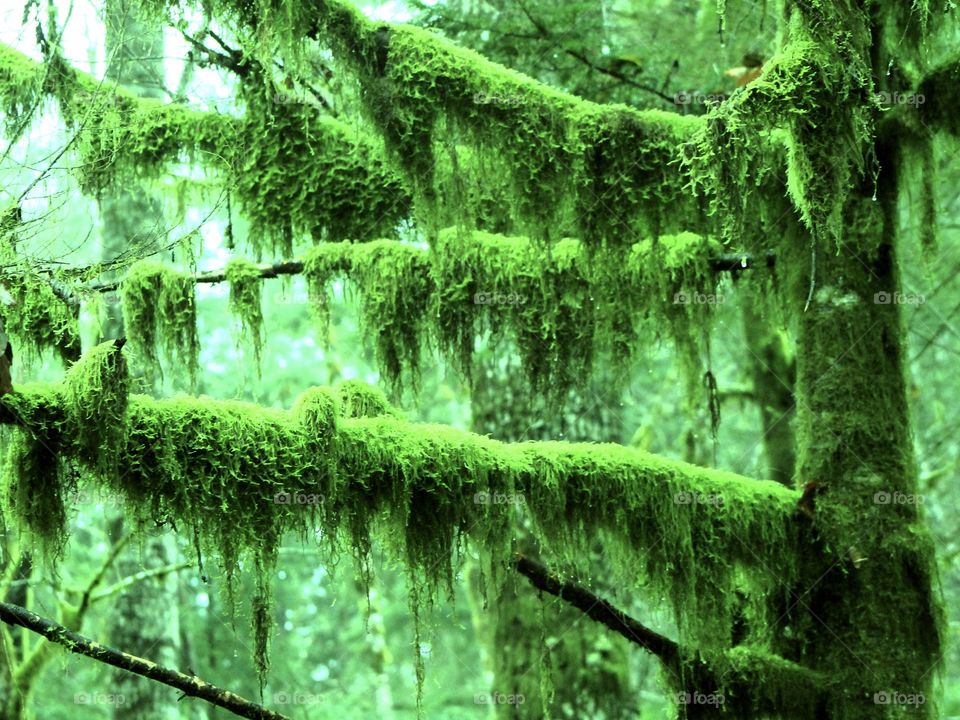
245, 302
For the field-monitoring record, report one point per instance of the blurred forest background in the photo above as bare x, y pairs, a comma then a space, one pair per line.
337, 653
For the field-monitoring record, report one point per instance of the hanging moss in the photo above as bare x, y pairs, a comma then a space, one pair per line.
241, 475
508, 285
302, 174
159, 312
37, 318
394, 280
34, 489
295, 174
321, 264
560, 306
557, 149
97, 387
816, 88
245, 302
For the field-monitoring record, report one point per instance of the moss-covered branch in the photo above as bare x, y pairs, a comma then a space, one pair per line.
242, 475
294, 172
562, 306
237, 477
607, 173
189, 685
747, 681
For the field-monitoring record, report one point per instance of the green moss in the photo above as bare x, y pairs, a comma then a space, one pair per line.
245, 302
301, 174
159, 312
34, 489
97, 388
36, 317
321, 265
543, 298
219, 467
394, 281
556, 148
561, 307
294, 173
357, 399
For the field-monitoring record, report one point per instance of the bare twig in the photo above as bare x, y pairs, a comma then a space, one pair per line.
189, 685
598, 609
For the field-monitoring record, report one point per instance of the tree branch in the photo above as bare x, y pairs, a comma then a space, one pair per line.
189, 685
721, 263
598, 609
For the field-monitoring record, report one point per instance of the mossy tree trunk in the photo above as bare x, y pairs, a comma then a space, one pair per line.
773, 374
865, 613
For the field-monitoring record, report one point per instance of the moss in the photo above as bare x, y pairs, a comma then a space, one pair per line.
245, 302
749, 682
395, 295
542, 298
219, 468
159, 312
97, 388
321, 264
562, 307
301, 174
37, 318
357, 399
556, 148
295, 174
35, 489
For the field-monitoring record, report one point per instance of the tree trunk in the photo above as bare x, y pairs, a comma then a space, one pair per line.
865, 613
